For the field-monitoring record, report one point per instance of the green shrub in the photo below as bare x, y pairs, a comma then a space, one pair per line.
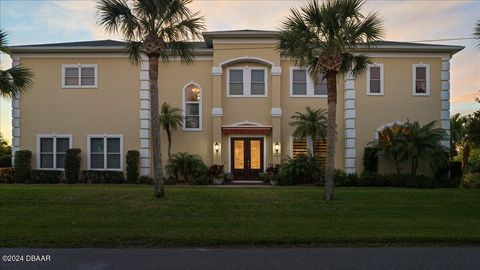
6, 175
133, 166
145, 180
456, 169
72, 165
23, 166
170, 180
201, 180
6, 161
102, 177
471, 180
370, 160
186, 168
46, 177
303, 169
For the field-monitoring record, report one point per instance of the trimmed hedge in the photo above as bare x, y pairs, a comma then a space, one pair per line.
6, 161
46, 177
370, 160
72, 165
133, 166
23, 166
146, 180
102, 177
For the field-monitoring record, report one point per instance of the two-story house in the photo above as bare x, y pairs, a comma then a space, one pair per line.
237, 97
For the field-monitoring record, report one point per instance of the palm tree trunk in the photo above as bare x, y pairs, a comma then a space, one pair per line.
155, 115
331, 134
310, 146
169, 137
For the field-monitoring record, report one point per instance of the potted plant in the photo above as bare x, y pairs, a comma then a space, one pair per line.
216, 173
271, 174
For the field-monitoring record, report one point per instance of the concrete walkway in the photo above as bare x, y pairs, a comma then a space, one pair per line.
246, 258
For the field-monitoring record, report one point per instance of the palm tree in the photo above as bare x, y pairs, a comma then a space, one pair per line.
390, 145
16, 80
476, 34
159, 29
170, 119
423, 145
310, 125
458, 135
321, 38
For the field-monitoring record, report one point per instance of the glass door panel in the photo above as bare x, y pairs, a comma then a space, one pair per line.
255, 154
239, 155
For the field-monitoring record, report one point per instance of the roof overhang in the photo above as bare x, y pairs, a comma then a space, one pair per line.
239, 34
410, 48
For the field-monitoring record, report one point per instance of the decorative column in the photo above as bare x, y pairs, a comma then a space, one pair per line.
15, 116
276, 115
445, 99
350, 132
145, 125
217, 114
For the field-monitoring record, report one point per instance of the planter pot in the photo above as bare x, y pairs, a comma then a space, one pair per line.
218, 181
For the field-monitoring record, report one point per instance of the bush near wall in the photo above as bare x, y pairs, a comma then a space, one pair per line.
72, 165
102, 177
6, 175
6, 161
370, 160
46, 177
133, 166
23, 166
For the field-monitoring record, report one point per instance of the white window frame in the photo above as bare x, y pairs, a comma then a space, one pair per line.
427, 82
80, 66
53, 136
200, 109
247, 81
382, 79
104, 137
310, 85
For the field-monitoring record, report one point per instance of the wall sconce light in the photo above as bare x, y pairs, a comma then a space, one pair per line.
276, 146
216, 147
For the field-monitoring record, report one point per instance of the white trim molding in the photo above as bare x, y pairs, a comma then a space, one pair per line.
276, 112
53, 136
200, 110
427, 79
275, 70
217, 112
445, 100
350, 119
145, 121
105, 150
382, 80
79, 67
15, 116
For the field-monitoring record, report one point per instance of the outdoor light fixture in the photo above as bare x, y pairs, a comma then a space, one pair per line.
216, 146
276, 146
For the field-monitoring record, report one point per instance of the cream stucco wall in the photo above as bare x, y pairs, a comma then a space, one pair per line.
111, 108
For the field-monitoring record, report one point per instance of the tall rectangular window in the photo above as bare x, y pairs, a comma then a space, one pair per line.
236, 82
257, 82
299, 82
320, 87
192, 107
51, 151
421, 79
375, 79
105, 152
79, 76
302, 85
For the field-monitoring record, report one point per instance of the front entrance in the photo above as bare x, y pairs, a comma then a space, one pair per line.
247, 158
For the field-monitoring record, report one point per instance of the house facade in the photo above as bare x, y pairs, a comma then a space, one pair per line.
237, 97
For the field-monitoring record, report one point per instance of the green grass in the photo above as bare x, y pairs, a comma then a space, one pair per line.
126, 215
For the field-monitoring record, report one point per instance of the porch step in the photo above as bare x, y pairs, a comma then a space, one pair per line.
246, 182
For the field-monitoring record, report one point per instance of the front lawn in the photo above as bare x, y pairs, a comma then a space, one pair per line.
127, 215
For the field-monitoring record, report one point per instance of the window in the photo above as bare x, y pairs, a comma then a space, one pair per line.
105, 152
51, 151
299, 147
79, 76
301, 85
246, 82
421, 80
375, 80
192, 107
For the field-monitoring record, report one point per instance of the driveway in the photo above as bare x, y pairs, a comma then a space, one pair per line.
245, 258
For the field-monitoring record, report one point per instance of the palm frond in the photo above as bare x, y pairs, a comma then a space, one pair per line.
15, 81
3, 41
116, 17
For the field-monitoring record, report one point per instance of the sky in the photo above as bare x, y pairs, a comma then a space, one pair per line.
48, 21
